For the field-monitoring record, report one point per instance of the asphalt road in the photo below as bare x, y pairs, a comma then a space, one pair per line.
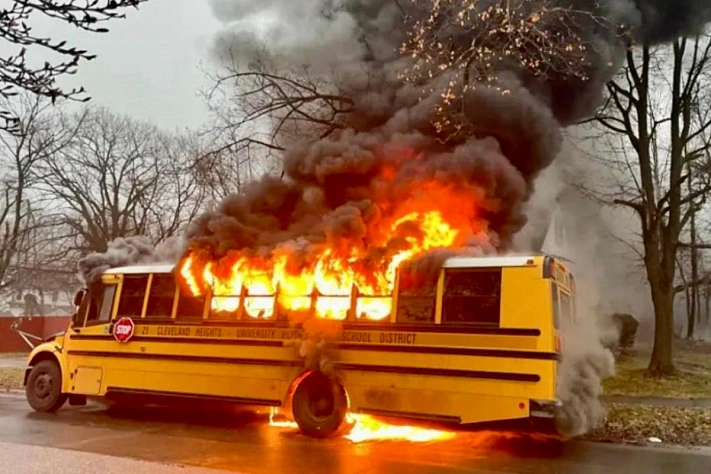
239, 442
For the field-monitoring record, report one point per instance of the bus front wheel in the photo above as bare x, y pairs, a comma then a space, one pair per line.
319, 406
44, 387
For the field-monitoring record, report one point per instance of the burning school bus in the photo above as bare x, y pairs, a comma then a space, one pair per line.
480, 344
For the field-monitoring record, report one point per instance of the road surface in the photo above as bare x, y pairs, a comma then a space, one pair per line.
83, 436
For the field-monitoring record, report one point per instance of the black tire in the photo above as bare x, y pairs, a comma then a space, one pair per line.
44, 387
319, 406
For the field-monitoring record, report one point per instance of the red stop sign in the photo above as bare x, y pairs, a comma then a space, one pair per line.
123, 329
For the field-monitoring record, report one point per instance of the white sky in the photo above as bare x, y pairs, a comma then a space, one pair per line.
148, 65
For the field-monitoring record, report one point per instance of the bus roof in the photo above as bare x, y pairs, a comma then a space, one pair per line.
134, 269
453, 262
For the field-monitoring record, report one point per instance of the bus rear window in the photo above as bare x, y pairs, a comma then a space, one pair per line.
133, 292
472, 297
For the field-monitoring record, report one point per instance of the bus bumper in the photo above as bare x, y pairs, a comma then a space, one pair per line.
543, 408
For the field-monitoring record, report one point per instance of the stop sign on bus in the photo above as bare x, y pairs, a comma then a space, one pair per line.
123, 329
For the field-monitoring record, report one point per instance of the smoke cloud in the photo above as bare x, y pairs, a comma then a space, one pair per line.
129, 251
334, 185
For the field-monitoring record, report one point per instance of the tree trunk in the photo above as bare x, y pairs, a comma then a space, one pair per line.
661, 360
662, 290
693, 308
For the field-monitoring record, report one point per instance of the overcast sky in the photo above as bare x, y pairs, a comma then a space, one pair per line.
148, 65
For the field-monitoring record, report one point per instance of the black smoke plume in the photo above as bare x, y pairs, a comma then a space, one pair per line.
332, 187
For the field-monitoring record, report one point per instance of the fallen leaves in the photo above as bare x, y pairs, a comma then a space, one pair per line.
693, 379
672, 425
11, 378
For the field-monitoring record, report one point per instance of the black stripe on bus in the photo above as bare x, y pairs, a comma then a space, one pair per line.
463, 351
156, 393
469, 374
442, 328
183, 358
412, 415
478, 374
354, 326
183, 340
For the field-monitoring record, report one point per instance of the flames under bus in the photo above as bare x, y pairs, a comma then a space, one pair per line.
479, 345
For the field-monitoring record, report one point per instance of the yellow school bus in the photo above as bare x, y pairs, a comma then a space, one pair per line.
479, 345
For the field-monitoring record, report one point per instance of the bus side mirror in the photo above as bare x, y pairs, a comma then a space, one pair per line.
78, 297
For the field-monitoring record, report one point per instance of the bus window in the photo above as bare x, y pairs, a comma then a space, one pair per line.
566, 310
107, 303
472, 297
416, 298
224, 307
133, 293
189, 307
161, 296
556, 305
100, 301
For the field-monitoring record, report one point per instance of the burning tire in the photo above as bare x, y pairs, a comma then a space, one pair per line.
44, 387
319, 406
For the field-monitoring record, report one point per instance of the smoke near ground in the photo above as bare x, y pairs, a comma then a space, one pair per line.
598, 244
585, 363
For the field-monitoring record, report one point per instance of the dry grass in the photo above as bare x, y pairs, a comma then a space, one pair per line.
11, 378
637, 423
693, 380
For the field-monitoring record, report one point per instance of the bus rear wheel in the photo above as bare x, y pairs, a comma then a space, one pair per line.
44, 387
319, 406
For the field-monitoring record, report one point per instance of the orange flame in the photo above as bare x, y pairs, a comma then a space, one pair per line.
338, 277
366, 428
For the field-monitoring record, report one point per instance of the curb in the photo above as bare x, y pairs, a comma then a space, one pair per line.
658, 401
12, 392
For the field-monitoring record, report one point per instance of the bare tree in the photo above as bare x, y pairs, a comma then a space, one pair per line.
256, 107
119, 178
17, 74
23, 222
657, 116
259, 104
470, 41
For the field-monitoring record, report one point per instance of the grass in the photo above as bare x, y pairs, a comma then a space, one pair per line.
693, 378
11, 378
672, 425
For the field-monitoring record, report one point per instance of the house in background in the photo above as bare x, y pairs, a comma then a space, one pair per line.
43, 291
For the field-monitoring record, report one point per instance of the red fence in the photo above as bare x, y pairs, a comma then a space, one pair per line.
44, 326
